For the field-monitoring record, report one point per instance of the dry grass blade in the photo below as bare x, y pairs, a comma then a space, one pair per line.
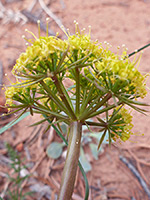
51, 14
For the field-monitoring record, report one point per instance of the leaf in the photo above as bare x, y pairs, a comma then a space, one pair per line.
64, 128
54, 150
83, 160
94, 150
97, 135
12, 123
70, 88
102, 138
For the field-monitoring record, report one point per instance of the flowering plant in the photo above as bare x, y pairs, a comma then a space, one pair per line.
102, 84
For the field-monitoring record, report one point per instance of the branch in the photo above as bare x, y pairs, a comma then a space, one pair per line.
137, 174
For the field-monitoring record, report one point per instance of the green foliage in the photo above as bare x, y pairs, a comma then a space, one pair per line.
12, 123
54, 150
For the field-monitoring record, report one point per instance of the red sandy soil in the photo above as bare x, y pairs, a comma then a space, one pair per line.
117, 22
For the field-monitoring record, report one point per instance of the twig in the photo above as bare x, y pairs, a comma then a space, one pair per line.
136, 173
118, 196
41, 157
27, 153
2, 174
9, 15
137, 146
4, 160
5, 189
141, 161
138, 165
32, 18
51, 14
32, 5
6, 186
34, 136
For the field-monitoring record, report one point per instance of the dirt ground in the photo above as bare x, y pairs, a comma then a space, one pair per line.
115, 21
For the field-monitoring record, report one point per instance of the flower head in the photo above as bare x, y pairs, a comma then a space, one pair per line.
121, 125
102, 80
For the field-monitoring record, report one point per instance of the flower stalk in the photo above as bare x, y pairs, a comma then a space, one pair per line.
71, 163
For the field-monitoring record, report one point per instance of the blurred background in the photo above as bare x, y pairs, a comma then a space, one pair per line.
115, 21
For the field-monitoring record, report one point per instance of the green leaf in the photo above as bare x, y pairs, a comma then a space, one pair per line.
70, 88
94, 150
98, 135
54, 150
84, 162
12, 123
102, 138
64, 128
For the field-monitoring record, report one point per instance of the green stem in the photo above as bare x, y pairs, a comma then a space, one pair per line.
95, 124
77, 91
77, 63
86, 99
64, 97
46, 111
134, 52
70, 168
54, 97
61, 60
105, 109
86, 115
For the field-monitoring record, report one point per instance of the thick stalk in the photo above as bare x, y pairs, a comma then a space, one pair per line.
70, 168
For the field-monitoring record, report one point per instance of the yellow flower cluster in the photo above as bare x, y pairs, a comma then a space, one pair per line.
40, 49
46, 52
121, 68
114, 66
9, 94
84, 43
127, 118
123, 125
18, 91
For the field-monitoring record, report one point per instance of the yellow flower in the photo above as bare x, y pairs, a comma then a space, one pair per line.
121, 69
9, 92
40, 49
127, 119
